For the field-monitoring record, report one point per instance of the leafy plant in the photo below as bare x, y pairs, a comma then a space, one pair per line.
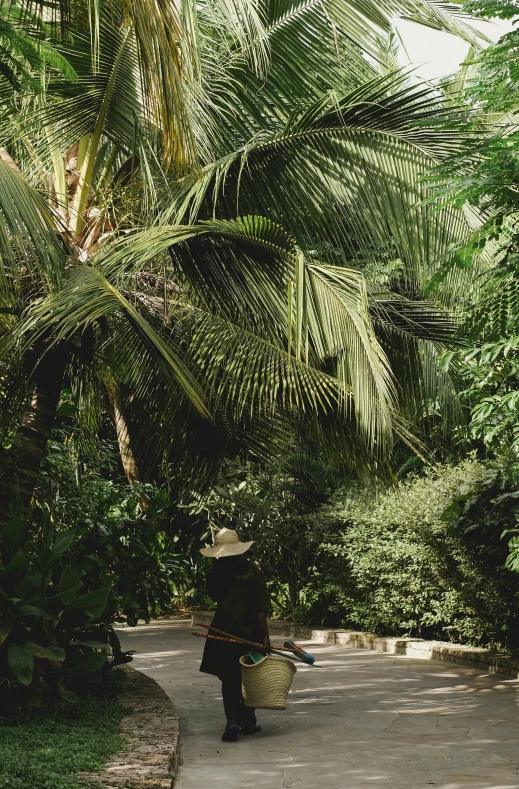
268, 504
52, 630
137, 553
428, 559
488, 510
492, 374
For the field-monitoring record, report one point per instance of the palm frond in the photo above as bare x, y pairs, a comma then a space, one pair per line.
110, 94
344, 178
239, 270
414, 335
340, 329
31, 256
87, 298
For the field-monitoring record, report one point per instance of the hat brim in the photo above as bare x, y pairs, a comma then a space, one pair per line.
229, 549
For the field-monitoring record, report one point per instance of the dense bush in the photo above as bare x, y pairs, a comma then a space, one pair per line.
410, 567
55, 628
270, 504
87, 555
119, 543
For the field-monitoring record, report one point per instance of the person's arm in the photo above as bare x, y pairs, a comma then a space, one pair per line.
262, 619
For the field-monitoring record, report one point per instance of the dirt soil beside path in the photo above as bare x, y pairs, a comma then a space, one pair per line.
150, 728
366, 719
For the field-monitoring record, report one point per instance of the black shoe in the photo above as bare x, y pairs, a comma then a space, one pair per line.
231, 733
250, 729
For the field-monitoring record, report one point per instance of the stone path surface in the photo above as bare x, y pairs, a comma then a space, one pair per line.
364, 720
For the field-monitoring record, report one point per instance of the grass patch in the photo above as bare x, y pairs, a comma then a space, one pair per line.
48, 748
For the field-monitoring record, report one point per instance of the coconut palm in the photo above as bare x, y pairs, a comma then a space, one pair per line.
219, 182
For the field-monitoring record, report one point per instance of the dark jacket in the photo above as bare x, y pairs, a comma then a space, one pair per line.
239, 588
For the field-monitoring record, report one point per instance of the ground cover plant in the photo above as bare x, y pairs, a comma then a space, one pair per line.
47, 748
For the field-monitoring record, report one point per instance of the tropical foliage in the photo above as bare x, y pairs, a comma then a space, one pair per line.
427, 560
48, 620
290, 192
214, 246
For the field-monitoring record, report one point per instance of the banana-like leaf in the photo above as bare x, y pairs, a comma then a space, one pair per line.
87, 663
4, 632
61, 544
21, 662
94, 603
69, 585
46, 653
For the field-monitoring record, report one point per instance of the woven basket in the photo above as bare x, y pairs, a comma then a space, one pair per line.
265, 685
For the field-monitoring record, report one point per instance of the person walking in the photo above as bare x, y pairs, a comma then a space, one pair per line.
239, 588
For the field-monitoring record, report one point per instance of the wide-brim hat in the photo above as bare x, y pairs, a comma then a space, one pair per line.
226, 543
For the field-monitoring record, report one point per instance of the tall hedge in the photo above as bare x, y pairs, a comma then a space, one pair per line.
405, 570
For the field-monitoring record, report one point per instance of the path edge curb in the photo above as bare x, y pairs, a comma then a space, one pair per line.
150, 728
472, 657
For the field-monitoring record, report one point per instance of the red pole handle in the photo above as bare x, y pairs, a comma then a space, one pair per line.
238, 639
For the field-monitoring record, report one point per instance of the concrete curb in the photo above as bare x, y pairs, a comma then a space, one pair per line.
151, 731
473, 657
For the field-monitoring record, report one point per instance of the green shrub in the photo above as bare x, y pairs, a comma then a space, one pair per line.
137, 552
406, 570
54, 628
131, 551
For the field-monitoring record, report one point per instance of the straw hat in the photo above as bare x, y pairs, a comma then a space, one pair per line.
226, 543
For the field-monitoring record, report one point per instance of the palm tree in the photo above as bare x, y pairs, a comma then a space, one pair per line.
214, 202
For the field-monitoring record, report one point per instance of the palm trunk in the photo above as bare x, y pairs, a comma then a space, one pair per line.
128, 459
21, 465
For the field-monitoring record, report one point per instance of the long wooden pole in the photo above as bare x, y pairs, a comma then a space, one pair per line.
238, 639
275, 650
231, 640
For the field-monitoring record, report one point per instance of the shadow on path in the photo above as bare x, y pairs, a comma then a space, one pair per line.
365, 720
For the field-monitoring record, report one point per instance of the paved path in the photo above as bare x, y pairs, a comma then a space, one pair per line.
365, 720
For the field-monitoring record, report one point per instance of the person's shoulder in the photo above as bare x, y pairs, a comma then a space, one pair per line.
254, 568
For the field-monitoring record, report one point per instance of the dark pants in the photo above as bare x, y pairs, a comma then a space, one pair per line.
235, 710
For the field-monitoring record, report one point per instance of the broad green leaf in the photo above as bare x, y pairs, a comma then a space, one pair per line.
29, 588
69, 585
33, 610
14, 536
512, 560
450, 512
66, 410
49, 653
18, 563
87, 663
67, 695
61, 544
95, 645
21, 662
94, 603
4, 632
513, 495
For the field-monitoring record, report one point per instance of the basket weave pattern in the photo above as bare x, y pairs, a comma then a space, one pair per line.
265, 685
